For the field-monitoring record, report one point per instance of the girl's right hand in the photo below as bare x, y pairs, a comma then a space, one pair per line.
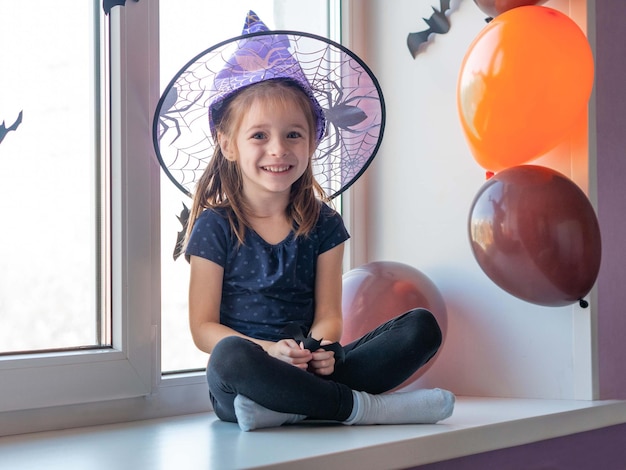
288, 350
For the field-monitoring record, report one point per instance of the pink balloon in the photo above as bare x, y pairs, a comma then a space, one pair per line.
379, 291
494, 7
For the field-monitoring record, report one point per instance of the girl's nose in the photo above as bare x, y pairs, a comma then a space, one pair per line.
278, 147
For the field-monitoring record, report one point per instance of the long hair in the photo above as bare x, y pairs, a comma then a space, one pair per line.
221, 184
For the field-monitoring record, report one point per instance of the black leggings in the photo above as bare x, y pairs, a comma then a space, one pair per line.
375, 363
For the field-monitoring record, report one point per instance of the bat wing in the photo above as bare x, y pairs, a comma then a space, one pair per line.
415, 40
183, 218
5, 130
438, 23
16, 124
108, 4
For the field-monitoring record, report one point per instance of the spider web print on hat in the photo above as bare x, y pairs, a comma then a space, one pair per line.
342, 84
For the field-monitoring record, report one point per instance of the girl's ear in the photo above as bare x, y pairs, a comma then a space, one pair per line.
226, 147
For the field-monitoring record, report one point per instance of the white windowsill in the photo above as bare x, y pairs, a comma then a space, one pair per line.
201, 441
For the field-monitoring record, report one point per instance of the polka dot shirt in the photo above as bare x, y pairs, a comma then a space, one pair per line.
266, 287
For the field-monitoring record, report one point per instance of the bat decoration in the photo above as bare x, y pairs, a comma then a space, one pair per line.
437, 23
312, 344
4, 130
183, 218
108, 4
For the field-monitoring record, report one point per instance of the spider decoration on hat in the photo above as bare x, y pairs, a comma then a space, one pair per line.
348, 99
344, 129
168, 114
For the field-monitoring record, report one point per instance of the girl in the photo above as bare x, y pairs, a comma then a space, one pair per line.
266, 272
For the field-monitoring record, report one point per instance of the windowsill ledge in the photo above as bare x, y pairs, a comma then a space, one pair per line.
202, 441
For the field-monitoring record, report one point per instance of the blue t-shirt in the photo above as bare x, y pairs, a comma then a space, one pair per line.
266, 287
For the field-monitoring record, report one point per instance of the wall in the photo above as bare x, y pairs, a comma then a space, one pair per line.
602, 448
418, 193
610, 145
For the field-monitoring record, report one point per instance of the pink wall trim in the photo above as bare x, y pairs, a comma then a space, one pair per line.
610, 89
603, 448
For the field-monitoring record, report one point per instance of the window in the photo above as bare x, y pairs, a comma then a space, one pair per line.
186, 28
100, 198
50, 177
98, 219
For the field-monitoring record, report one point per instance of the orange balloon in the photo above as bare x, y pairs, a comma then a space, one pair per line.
524, 82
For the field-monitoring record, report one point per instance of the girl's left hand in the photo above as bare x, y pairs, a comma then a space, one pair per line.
323, 362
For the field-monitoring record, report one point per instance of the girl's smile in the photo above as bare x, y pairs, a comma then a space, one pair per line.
273, 169
272, 147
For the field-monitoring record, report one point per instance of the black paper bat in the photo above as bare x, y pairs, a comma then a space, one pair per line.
437, 23
4, 130
312, 344
183, 218
108, 4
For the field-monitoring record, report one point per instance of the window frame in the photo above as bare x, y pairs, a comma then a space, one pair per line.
52, 390
65, 389
65, 377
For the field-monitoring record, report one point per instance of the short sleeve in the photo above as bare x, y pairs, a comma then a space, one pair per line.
331, 229
210, 237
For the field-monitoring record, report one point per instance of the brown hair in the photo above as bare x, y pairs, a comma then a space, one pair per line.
221, 184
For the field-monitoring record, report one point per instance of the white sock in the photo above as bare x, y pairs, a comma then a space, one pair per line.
251, 415
426, 406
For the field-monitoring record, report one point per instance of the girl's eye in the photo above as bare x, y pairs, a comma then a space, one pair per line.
294, 135
258, 135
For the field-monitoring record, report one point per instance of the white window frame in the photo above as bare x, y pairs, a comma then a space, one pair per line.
53, 390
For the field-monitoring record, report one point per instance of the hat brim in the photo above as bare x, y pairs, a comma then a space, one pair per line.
342, 83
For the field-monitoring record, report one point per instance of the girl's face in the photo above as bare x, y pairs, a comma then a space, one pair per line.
272, 147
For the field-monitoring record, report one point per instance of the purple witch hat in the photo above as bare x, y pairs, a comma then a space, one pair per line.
259, 59
345, 94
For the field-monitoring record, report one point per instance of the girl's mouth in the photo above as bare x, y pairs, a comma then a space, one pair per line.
277, 168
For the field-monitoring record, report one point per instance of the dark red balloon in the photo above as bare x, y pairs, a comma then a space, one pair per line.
535, 234
494, 7
379, 291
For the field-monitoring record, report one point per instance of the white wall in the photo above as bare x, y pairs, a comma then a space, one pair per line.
414, 203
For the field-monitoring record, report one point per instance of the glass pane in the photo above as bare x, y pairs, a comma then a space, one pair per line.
48, 244
188, 27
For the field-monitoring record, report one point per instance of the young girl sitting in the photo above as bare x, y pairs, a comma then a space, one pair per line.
266, 270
